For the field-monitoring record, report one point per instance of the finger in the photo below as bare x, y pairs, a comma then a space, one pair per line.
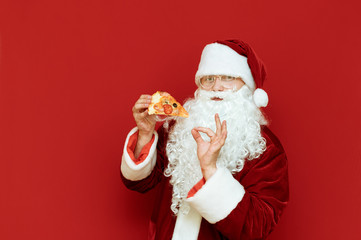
145, 96
207, 131
224, 127
137, 110
141, 106
224, 132
143, 114
220, 140
218, 124
164, 94
197, 137
144, 100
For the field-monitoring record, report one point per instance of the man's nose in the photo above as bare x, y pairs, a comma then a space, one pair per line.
218, 86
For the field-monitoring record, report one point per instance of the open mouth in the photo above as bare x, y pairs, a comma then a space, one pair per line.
216, 99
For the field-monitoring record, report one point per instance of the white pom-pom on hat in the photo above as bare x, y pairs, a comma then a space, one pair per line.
260, 98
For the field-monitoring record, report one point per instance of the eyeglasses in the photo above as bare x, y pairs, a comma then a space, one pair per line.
208, 82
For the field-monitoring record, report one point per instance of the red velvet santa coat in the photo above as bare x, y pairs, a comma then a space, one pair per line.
253, 216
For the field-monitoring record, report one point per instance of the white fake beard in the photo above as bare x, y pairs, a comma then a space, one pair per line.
244, 140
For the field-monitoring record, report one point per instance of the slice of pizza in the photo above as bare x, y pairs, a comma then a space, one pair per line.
164, 104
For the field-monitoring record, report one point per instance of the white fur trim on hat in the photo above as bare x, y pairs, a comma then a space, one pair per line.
219, 59
260, 98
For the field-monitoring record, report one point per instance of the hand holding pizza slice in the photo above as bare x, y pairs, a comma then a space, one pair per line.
164, 104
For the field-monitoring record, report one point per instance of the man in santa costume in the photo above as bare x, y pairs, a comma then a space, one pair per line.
222, 172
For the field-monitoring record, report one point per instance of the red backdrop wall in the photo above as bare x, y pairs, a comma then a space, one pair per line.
71, 70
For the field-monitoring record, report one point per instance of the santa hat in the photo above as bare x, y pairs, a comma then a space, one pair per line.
237, 59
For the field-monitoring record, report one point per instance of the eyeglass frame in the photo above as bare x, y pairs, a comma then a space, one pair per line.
215, 77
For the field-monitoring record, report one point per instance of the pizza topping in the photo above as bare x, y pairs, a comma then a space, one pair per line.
158, 107
174, 105
167, 109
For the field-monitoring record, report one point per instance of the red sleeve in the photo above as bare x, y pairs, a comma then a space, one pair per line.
133, 139
265, 181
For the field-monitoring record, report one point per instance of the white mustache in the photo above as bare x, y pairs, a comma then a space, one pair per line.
225, 95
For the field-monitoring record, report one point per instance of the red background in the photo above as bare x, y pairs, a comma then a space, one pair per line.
70, 72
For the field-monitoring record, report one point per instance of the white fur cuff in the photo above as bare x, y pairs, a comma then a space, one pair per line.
132, 171
218, 196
